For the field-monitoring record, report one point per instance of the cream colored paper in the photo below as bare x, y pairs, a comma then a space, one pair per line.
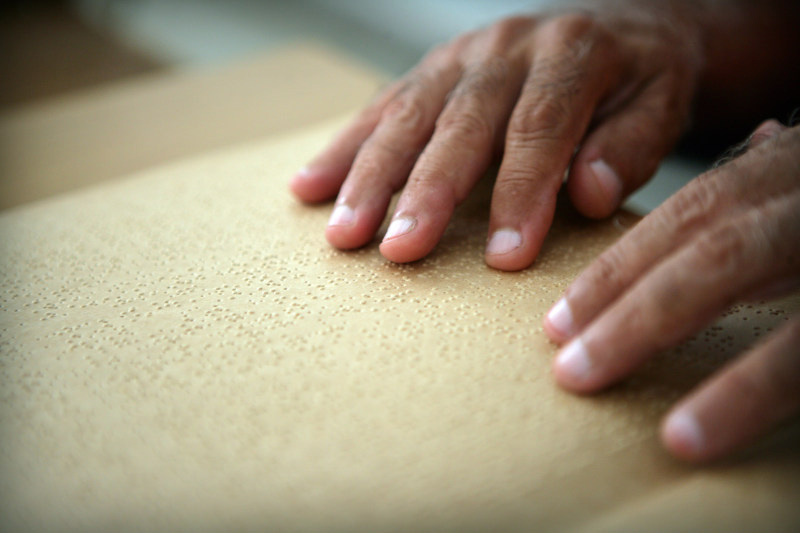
182, 350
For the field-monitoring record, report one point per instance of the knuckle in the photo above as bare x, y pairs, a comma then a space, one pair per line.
691, 207
722, 248
440, 189
373, 111
485, 79
460, 43
542, 121
502, 33
408, 109
515, 182
569, 44
467, 125
376, 152
466, 116
558, 76
366, 165
441, 53
608, 269
569, 27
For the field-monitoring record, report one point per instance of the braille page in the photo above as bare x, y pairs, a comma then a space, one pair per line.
182, 350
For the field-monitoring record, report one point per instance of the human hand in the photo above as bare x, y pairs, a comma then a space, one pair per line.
730, 234
608, 92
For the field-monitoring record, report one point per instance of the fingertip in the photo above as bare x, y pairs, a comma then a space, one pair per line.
407, 240
507, 250
552, 333
508, 263
398, 244
347, 228
346, 238
595, 188
514, 261
521, 213
573, 368
683, 436
559, 323
314, 185
402, 250
299, 184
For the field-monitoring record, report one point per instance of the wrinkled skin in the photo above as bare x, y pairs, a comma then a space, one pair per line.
616, 88
602, 96
731, 234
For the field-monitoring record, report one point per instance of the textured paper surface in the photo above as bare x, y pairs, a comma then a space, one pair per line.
182, 350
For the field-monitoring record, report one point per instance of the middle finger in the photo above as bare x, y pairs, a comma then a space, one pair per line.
456, 157
384, 161
575, 64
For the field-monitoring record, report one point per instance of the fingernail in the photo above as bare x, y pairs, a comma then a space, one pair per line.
683, 431
503, 241
342, 216
607, 179
560, 317
399, 226
301, 174
574, 361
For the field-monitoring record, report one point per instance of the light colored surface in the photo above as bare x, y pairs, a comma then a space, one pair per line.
118, 128
181, 350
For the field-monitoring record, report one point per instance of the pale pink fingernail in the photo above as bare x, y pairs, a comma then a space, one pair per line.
560, 317
503, 241
342, 216
399, 226
682, 431
607, 179
301, 174
574, 362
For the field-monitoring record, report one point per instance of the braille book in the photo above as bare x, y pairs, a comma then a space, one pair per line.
182, 350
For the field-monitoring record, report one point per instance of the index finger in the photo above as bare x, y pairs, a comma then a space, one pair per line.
321, 178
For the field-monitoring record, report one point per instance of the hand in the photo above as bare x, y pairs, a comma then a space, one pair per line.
607, 92
731, 233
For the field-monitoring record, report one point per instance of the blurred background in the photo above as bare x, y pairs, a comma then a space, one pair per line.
56, 46
84, 82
